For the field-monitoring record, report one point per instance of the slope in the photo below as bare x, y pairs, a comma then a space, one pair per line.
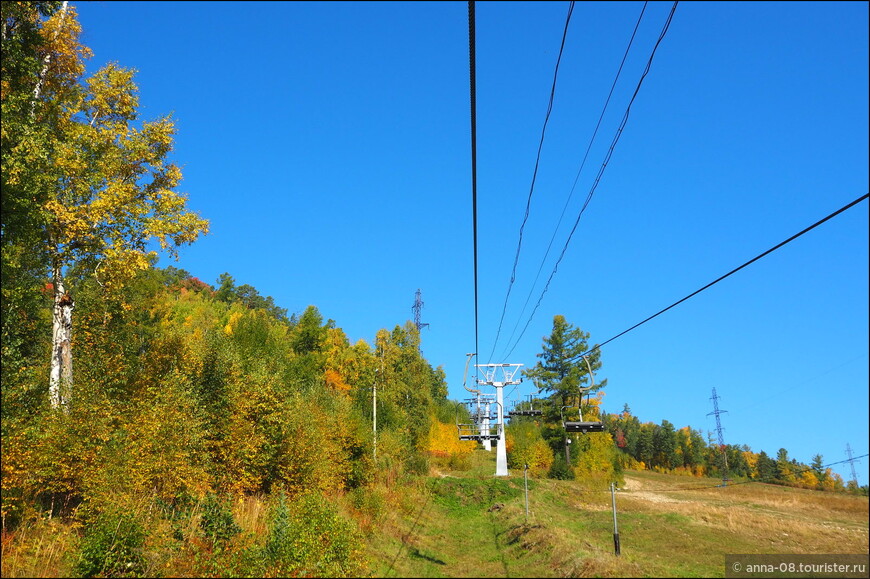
470, 524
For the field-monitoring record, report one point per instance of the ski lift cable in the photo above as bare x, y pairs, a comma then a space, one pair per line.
579, 171
597, 180
733, 271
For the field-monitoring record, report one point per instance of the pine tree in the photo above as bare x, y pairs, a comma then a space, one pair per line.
562, 369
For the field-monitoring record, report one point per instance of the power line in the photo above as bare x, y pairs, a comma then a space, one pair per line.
473, 95
792, 389
801, 471
735, 270
579, 171
534, 177
600, 171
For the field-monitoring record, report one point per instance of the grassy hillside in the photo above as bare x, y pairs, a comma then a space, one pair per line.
470, 524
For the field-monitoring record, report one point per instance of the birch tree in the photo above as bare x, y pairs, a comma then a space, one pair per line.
22, 258
106, 185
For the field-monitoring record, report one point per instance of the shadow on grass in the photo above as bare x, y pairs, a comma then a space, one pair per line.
417, 554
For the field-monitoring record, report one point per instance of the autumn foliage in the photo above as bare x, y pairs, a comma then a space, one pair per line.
181, 396
664, 448
186, 400
209, 433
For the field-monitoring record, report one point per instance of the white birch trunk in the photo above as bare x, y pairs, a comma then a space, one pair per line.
60, 379
45, 62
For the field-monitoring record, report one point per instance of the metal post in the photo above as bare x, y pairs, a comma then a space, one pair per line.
615, 528
379, 374
526, 484
501, 468
485, 428
375, 417
567, 450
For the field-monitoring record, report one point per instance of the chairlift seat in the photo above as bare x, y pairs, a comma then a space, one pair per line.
524, 413
472, 432
584, 426
478, 437
482, 419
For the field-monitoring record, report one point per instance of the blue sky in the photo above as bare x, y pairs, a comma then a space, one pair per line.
329, 146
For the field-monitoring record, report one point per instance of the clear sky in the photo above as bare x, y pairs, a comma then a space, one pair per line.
329, 145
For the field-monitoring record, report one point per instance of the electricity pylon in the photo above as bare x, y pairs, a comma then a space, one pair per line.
717, 412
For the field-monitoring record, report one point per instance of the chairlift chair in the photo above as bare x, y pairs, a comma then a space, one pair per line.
582, 425
477, 409
531, 411
472, 432
476, 431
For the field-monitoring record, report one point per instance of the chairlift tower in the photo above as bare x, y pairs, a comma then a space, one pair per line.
499, 376
484, 424
481, 414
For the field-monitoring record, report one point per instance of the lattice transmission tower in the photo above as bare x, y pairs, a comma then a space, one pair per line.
417, 308
717, 412
851, 463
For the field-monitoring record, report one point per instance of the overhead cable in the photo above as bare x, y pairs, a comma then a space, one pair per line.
600, 172
733, 271
580, 170
473, 94
534, 178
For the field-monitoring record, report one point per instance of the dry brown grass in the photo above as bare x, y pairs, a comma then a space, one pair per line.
565, 553
250, 512
38, 548
778, 519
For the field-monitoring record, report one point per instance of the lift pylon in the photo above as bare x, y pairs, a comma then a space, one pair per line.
499, 376
481, 416
481, 429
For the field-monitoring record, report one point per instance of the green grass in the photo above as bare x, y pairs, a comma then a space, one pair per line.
472, 524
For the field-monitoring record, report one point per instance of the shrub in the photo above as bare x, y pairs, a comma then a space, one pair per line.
560, 469
308, 537
217, 521
370, 502
112, 547
526, 446
417, 464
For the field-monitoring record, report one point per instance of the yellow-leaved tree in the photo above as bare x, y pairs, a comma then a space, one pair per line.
107, 187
